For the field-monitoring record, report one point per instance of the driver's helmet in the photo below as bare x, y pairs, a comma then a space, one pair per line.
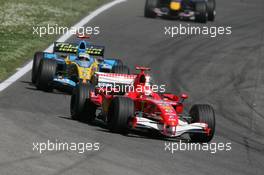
148, 81
148, 85
84, 56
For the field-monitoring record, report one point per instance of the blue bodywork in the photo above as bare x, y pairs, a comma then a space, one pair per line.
71, 51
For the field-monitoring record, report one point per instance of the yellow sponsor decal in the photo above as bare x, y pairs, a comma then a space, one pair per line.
84, 73
71, 48
94, 51
175, 5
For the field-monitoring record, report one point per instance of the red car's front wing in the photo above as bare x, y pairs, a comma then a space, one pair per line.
170, 131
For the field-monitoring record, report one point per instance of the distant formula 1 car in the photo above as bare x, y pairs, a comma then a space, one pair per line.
71, 63
198, 10
144, 109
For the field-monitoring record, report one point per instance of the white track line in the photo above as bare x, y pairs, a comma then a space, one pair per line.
63, 38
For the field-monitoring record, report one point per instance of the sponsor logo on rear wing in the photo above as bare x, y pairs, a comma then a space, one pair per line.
110, 79
93, 50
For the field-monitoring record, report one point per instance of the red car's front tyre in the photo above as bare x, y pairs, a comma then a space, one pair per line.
203, 114
120, 112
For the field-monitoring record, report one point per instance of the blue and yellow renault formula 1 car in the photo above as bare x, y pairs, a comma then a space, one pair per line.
71, 63
198, 10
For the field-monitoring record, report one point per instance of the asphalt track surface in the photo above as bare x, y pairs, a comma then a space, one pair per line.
226, 72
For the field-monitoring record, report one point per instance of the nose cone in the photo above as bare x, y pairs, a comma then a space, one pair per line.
173, 122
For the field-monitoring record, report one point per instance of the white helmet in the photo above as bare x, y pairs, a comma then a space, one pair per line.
84, 56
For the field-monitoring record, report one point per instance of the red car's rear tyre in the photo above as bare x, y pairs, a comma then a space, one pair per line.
120, 111
203, 114
81, 107
118, 62
120, 69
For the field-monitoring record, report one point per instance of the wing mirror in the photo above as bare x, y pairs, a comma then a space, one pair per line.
183, 97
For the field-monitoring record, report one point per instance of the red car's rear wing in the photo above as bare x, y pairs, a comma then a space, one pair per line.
112, 79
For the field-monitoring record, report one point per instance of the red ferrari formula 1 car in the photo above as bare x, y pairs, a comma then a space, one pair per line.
126, 101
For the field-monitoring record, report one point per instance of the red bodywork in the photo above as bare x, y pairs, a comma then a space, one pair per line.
163, 108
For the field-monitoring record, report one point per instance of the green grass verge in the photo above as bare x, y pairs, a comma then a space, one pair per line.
17, 18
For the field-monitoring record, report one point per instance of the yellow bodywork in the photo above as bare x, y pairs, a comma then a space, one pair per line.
85, 74
175, 6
